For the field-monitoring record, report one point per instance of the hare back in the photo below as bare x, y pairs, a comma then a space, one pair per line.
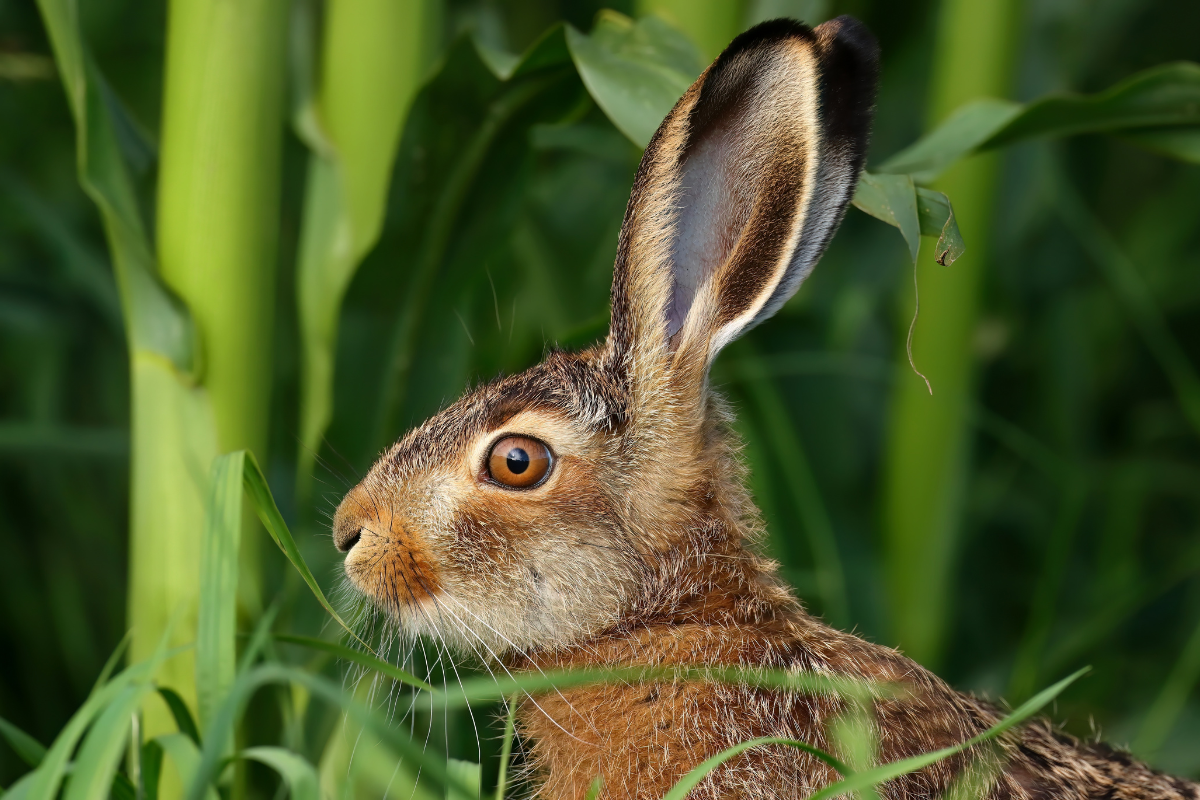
641, 738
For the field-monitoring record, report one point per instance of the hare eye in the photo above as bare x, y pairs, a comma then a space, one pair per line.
518, 462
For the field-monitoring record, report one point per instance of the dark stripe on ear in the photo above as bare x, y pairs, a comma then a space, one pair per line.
849, 75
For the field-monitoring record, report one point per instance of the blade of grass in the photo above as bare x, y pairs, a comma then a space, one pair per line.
256, 486
273, 673
100, 754
482, 689
368, 660
27, 748
698, 773
181, 713
299, 775
466, 773
45, 780
185, 755
216, 629
150, 762
510, 720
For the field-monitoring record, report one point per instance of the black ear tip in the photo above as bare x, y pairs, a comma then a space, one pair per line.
851, 34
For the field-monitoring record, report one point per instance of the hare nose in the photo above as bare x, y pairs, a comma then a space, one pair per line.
351, 517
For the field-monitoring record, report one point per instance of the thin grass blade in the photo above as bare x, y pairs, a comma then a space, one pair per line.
367, 660
27, 748
299, 775
181, 713
260, 493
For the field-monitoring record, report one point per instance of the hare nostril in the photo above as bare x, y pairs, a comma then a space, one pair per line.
347, 545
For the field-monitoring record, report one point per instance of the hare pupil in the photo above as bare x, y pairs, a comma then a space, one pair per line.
517, 461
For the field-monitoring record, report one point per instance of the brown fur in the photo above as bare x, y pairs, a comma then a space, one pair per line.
641, 546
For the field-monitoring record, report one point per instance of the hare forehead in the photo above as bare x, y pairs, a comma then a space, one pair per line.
565, 398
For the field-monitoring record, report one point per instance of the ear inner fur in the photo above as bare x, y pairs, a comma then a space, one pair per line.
741, 188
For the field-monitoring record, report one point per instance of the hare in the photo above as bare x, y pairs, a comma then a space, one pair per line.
592, 510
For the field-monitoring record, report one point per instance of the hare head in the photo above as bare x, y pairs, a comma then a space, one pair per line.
602, 487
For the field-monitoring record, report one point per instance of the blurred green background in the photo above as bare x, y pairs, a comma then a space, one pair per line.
1061, 528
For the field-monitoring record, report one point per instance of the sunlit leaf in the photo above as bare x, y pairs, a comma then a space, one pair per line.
635, 71
1158, 107
893, 199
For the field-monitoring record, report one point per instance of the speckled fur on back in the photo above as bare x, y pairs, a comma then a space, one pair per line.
640, 545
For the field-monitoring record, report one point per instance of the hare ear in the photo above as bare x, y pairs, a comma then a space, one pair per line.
741, 188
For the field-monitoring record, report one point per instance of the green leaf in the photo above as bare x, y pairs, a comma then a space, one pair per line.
466, 775
299, 775
1175, 142
27, 748
180, 712
371, 67
100, 754
368, 660
157, 322
893, 199
1164, 95
377, 721
965, 129
459, 125
635, 71
1158, 108
698, 773
915, 211
151, 768
44, 781
216, 629
123, 788
186, 757
260, 494
593, 791
937, 219
886, 772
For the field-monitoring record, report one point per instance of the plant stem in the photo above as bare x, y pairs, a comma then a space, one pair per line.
927, 454
217, 222
372, 62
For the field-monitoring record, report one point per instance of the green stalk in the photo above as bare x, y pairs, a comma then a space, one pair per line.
372, 62
218, 198
927, 454
711, 24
